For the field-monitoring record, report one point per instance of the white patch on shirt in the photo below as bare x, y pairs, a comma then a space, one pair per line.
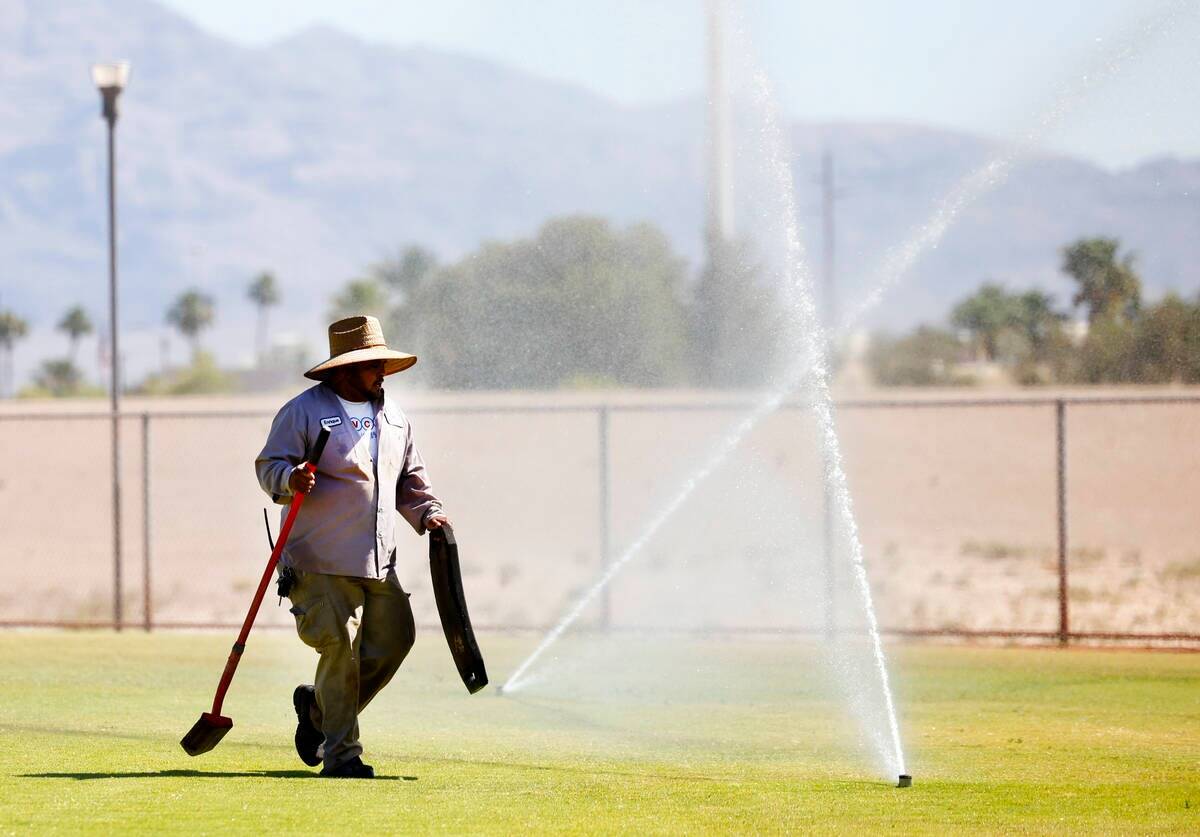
331, 422
362, 421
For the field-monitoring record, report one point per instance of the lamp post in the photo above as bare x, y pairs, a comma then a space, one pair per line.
110, 80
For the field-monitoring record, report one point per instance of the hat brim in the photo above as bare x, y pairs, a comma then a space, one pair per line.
393, 361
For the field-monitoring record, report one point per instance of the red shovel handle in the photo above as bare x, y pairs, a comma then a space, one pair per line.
297, 500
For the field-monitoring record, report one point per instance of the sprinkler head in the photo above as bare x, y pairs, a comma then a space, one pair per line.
905, 781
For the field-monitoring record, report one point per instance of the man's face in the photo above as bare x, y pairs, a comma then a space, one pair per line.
364, 380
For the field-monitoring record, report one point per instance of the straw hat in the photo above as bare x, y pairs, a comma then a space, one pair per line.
357, 340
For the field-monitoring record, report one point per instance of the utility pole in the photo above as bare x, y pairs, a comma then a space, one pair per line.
829, 322
828, 274
720, 129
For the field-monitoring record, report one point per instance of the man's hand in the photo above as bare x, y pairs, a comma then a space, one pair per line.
300, 480
436, 521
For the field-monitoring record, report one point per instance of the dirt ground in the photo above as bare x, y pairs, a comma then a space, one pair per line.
955, 506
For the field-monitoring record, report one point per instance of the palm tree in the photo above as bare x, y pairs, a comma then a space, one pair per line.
359, 296
12, 329
985, 314
406, 271
404, 278
192, 313
263, 292
75, 324
59, 377
1037, 320
1110, 289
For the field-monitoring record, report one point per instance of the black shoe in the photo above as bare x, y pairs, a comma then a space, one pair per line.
308, 737
353, 769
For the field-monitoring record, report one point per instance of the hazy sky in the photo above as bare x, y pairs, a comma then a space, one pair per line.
977, 65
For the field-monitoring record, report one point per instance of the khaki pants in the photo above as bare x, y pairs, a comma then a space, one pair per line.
363, 629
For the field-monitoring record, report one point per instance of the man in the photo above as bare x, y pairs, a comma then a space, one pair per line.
347, 601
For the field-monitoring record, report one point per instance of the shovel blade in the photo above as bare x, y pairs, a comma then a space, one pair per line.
206, 733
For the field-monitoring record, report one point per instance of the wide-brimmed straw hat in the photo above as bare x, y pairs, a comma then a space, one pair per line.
358, 340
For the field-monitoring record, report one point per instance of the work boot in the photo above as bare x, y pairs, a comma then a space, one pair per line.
353, 769
308, 737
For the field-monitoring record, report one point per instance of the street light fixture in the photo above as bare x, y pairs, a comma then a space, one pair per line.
110, 80
111, 77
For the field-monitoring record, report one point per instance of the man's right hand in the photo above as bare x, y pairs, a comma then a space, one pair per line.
300, 480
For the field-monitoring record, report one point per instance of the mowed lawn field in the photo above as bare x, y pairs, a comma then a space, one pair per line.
999, 741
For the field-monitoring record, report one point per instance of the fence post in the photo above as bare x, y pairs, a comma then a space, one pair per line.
605, 514
1060, 421
147, 597
828, 546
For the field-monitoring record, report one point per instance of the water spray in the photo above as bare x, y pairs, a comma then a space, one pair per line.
770, 405
895, 267
1099, 70
800, 298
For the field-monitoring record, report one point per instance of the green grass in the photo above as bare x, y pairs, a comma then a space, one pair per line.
999, 740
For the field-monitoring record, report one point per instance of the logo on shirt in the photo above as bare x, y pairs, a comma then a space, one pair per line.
331, 422
361, 425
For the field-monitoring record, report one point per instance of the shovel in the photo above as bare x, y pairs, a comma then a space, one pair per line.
212, 726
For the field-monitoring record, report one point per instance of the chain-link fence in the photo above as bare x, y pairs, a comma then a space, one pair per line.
1057, 518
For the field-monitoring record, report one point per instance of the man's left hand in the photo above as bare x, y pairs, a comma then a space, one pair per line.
437, 521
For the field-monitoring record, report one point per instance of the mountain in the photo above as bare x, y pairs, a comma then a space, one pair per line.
320, 154
893, 178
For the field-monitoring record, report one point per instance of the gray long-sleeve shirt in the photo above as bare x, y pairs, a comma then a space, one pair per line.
347, 523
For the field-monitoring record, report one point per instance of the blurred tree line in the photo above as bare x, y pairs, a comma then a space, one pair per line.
191, 314
1124, 340
579, 304
582, 303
